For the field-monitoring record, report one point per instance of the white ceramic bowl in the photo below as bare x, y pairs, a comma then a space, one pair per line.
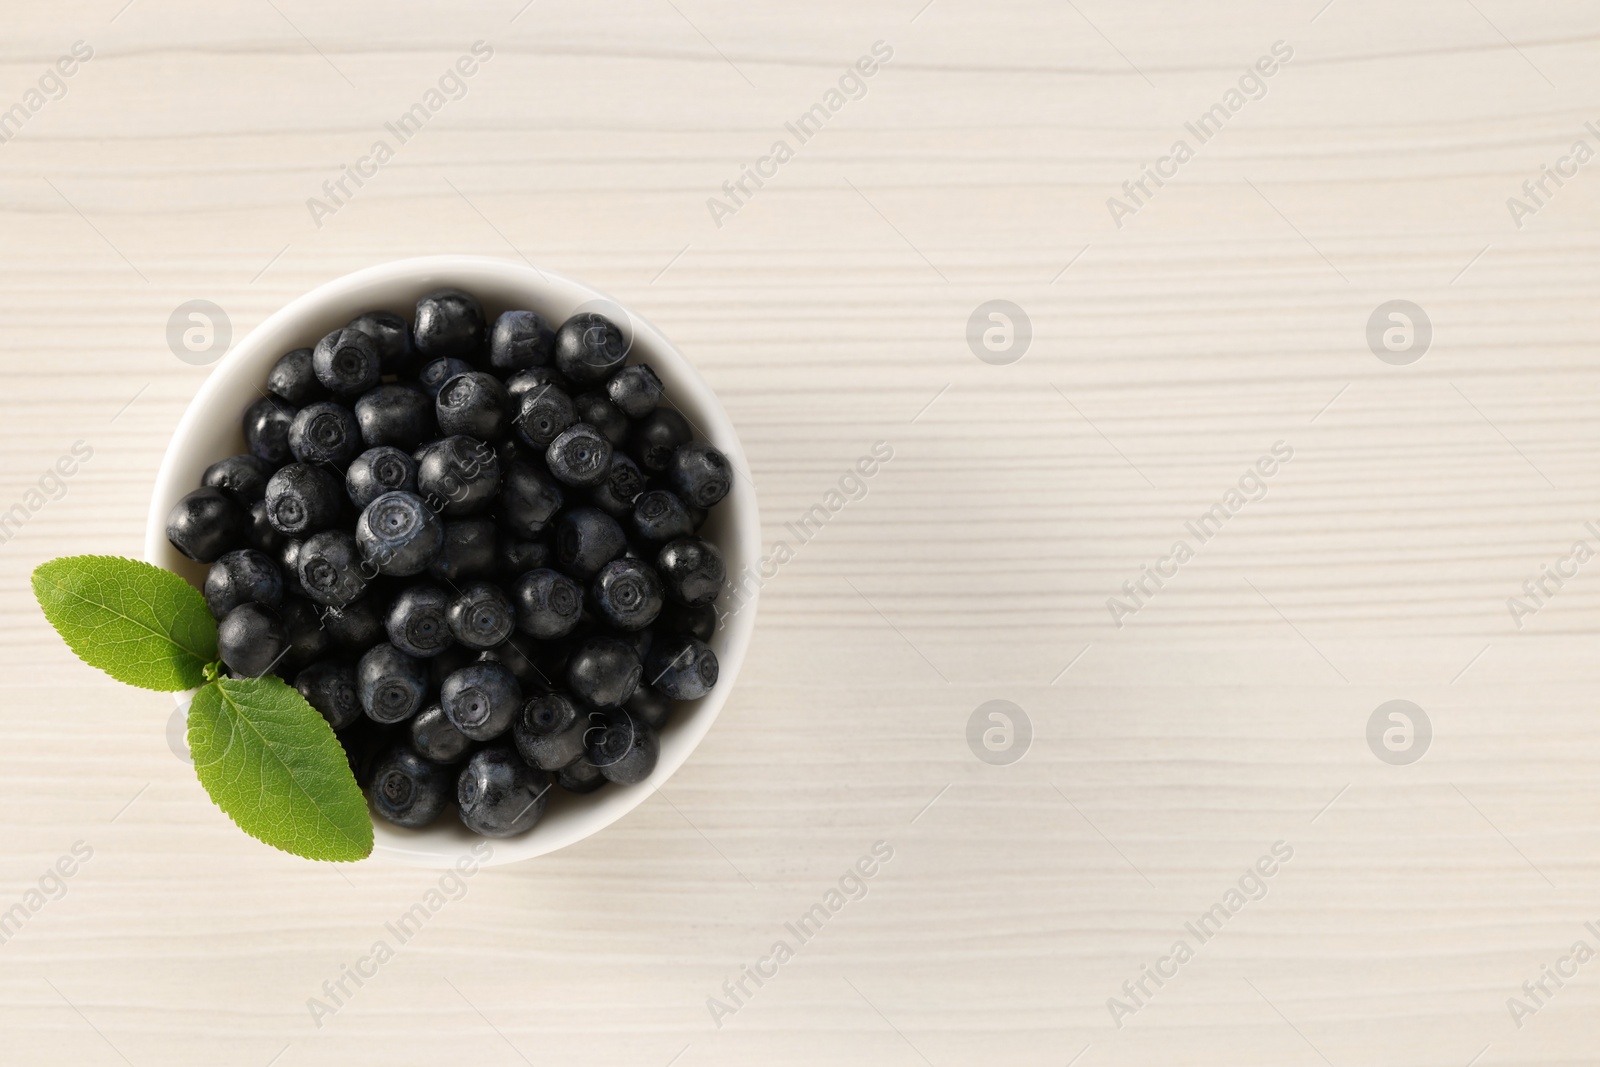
210, 430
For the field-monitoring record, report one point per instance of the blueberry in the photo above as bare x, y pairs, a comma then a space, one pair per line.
205, 524
243, 477
434, 738
481, 616
590, 348
635, 390
436, 372
683, 668
515, 558
409, 790
391, 337
358, 625
391, 684
329, 685
302, 499
692, 570
331, 568
260, 534
597, 411
449, 323
251, 639
474, 404
649, 706
623, 748
266, 429
685, 621
604, 671
549, 715
481, 699
549, 603
533, 380
529, 498
244, 576
417, 622
399, 534
458, 475
307, 641
377, 471
580, 777
325, 433
543, 414
628, 593
586, 540
580, 456
346, 362
468, 552
327, 558
293, 379
660, 516
615, 495
700, 474
499, 795
520, 339
656, 437
395, 414
549, 732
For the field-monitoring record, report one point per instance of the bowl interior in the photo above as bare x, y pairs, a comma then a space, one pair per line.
211, 430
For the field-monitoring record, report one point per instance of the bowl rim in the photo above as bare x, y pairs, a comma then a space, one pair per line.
441, 847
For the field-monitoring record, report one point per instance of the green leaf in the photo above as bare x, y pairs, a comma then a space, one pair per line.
273, 764
140, 624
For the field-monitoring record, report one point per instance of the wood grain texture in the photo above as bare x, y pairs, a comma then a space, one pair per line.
829, 313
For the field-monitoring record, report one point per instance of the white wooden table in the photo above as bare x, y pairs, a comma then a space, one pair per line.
830, 310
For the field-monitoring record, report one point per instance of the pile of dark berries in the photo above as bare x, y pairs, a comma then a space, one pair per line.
472, 547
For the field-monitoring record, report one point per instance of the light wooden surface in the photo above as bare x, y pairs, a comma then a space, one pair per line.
830, 313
